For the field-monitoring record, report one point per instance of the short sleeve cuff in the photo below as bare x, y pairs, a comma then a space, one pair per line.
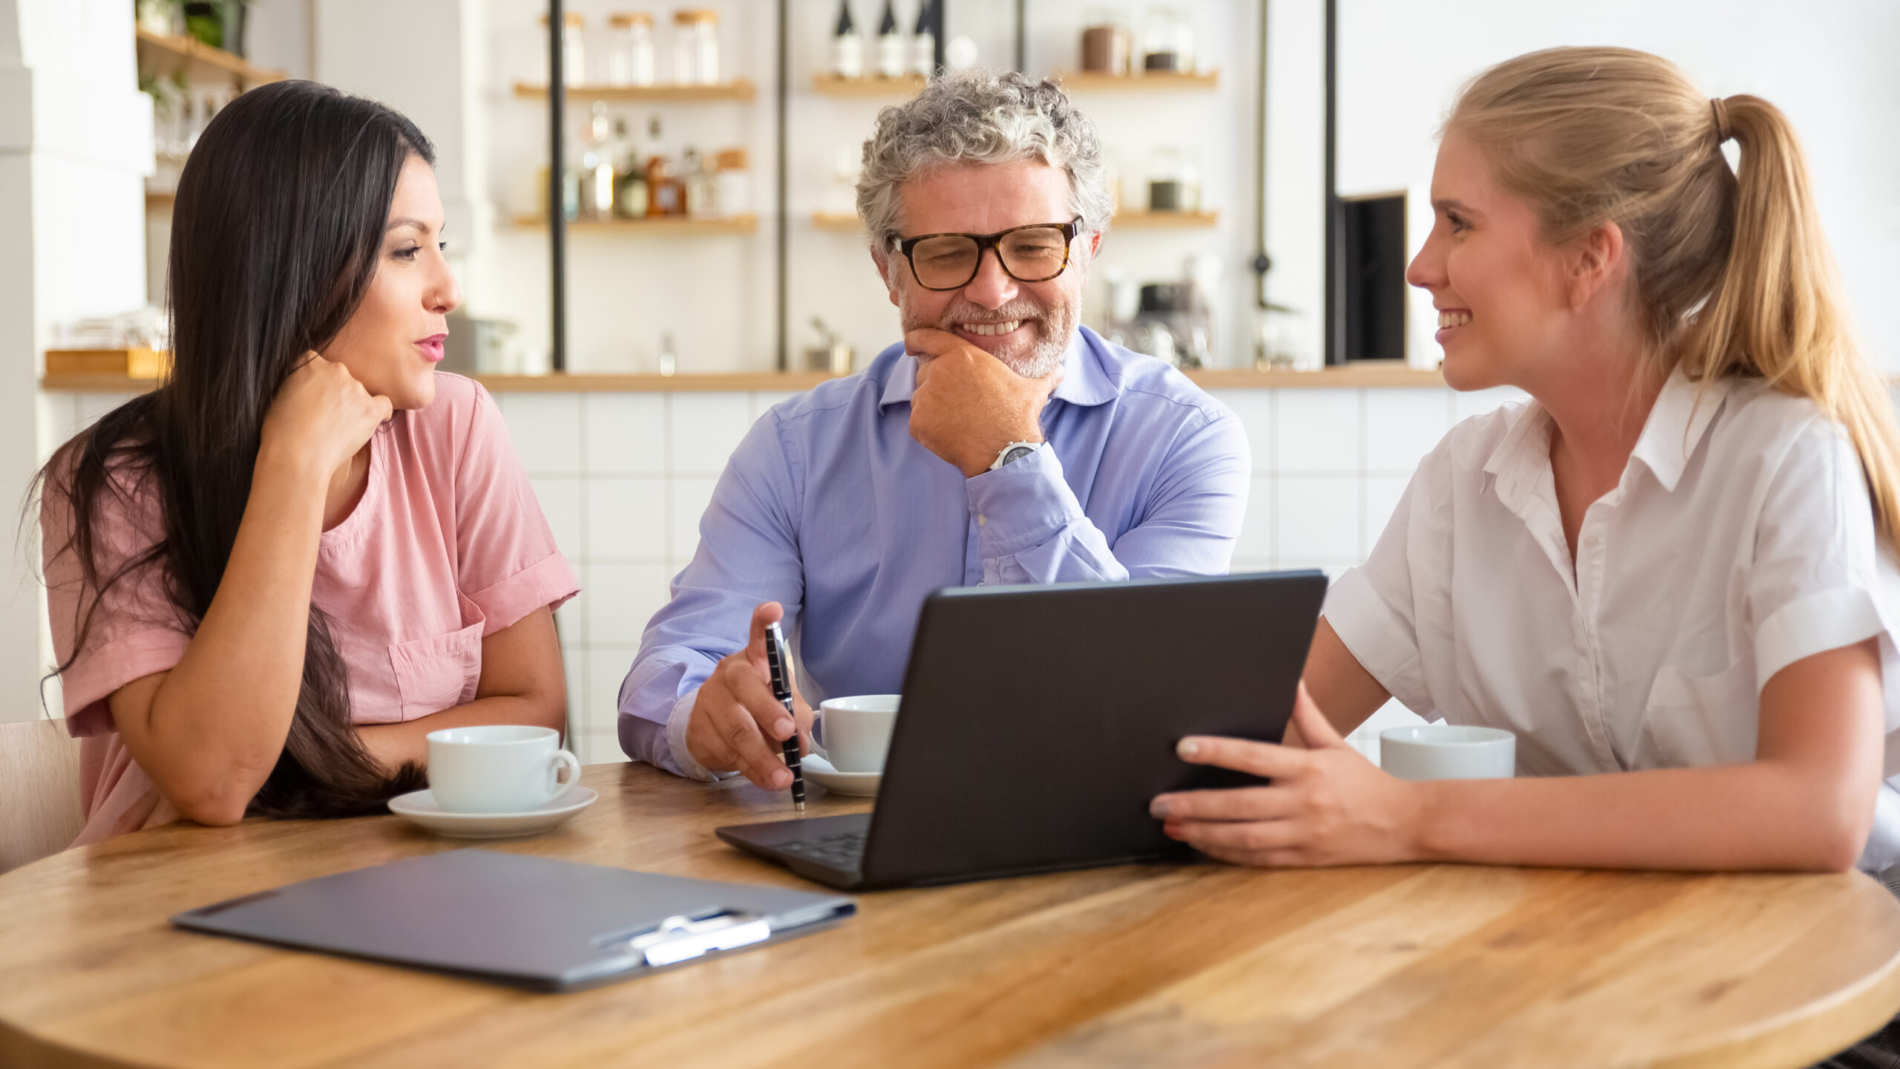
86, 685
1022, 505
1377, 640
1821, 621
548, 582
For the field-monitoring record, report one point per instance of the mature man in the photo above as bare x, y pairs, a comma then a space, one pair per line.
998, 444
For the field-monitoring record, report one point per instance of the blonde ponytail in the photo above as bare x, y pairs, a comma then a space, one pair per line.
1731, 272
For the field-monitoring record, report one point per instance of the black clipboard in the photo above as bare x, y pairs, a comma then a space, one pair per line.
527, 922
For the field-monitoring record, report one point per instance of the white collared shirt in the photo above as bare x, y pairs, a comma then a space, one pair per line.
1739, 540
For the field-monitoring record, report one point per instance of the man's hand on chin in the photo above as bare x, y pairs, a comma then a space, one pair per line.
968, 404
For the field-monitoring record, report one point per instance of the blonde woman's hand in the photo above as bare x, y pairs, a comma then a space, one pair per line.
1326, 804
319, 419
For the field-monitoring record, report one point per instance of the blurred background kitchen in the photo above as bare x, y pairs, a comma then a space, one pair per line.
713, 261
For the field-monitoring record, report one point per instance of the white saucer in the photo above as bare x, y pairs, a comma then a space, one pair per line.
819, 771
422, 808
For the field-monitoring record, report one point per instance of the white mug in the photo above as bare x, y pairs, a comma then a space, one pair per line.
498, 768
1448, 751
857, 731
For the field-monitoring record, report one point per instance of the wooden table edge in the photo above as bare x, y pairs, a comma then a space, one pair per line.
1809, 1034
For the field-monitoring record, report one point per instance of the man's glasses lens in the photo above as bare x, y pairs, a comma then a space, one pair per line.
949, 261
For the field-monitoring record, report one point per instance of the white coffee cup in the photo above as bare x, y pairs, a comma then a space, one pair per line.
1448, 751
857, 730
498, 768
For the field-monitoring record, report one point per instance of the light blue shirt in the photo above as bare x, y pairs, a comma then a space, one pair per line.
832, 509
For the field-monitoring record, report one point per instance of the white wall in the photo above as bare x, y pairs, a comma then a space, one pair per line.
1828, 65
75, 140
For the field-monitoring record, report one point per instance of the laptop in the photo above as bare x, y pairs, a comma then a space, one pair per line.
1038, 721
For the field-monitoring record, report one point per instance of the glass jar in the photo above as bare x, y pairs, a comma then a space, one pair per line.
733, 183
1174, 185
1167, 44
1106, 44
695, 47
631, 61
573, 49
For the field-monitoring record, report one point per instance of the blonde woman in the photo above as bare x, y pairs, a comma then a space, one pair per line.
1673, 563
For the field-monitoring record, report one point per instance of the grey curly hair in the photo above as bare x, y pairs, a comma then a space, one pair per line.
979, 116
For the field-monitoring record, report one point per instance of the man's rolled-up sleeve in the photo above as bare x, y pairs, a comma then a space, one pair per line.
1033, 529
748, 554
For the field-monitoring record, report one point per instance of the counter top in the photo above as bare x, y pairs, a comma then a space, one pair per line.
1383, 374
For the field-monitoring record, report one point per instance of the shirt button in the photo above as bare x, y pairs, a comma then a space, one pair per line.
982, 520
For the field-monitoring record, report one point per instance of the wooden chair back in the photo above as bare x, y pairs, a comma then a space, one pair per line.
40, 809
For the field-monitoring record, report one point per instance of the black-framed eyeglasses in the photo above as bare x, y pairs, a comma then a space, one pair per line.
1034, 253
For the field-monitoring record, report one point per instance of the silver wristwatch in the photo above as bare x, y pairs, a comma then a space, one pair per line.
1014, 451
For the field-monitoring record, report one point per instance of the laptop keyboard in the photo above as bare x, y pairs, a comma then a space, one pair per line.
841, 851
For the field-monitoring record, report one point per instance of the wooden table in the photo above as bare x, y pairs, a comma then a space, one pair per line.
1139, 965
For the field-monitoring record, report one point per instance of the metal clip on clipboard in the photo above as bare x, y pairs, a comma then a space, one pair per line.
682, 937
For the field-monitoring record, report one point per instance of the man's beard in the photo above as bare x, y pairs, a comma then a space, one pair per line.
1038, 356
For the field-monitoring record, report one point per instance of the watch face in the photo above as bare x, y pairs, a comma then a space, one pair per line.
1017, 453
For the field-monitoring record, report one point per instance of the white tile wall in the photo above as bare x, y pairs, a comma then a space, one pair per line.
1317, 431
706, 428
1402, 426
546, 428
626, 519
1317, 516
625, 432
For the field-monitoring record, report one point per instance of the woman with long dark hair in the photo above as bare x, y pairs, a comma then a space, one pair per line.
272, 576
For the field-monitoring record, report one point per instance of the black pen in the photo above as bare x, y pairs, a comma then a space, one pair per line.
777, 658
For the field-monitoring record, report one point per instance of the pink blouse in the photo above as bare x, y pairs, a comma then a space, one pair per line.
447, 546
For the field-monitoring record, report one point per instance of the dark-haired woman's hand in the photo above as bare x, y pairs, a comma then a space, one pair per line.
320, 418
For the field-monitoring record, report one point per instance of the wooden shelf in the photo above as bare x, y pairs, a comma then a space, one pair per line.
1092, 80
1157, 220
870, 86
738, 224
198, 61
120, 364
723, 382
849, 224
1360, 374
740, 89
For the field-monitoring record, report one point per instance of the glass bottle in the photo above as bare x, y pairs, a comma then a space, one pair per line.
630, 175
669, 356
891, 51
573, 49
700, 193
847, 48
666, 194
923, 41
597, 167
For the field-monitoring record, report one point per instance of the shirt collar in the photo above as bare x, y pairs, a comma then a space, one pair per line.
1084, 381
1676, 425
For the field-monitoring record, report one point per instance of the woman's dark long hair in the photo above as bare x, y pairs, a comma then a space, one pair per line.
276, 234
